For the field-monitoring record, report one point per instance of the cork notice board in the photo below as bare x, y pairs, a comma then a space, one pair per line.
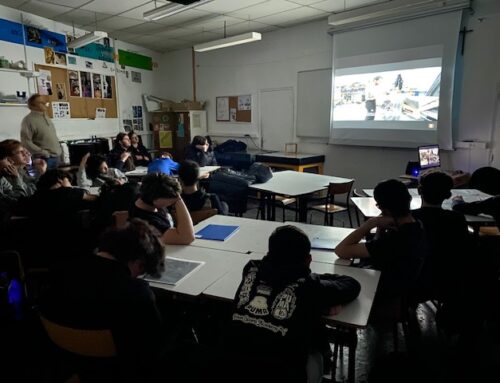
100, 92
234, 108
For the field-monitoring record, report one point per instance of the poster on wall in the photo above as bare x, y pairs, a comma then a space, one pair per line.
72, 60
40, 38
97, 85
44, 82
107, 87
245, 102
49, 55
165, 137
222, 109
11, 31
127, 125
61, 91
100, 113
136, 76
61, 110
137, 111
59, 58
86, 84
74, 83
232, 114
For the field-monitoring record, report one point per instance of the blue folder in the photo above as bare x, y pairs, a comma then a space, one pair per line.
217, 232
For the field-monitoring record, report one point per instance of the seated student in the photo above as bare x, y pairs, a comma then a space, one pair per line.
10, 189
164, 164
199, 153
489, 206
103, 291
94, 171
120, 157
399, 248
195, 198
276, 329
139, 152
447, 234
157, 193
20, 159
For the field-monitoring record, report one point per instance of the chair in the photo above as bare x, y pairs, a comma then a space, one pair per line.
284, 202
88, 351
291, 147
329, 208
200, 215
120, 218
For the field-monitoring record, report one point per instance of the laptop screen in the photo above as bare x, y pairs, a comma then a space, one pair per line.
428, 156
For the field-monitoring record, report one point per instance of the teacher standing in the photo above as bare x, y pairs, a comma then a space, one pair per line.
38, 133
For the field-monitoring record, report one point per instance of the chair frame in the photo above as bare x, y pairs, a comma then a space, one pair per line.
333, 190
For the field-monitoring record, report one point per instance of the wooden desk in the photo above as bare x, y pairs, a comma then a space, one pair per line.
293, 184
293, 161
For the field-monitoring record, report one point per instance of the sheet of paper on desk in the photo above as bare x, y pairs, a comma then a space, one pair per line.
176, 270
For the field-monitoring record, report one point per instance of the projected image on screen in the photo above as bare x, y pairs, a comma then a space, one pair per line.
397, 95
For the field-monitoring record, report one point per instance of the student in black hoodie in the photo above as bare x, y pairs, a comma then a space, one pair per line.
276, 330
199, 152
120, 157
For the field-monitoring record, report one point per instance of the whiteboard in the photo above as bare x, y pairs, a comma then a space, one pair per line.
314, 95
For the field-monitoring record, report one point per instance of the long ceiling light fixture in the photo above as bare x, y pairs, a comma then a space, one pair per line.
172, 9
87, 39
228, 42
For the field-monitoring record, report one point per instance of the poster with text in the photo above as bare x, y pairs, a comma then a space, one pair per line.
74, 83
60, 110
97, 85
245, 102
100, 113
44, 82
222, 109
107, 87
86, 84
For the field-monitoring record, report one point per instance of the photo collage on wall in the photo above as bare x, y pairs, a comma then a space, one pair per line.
91, 85
137, 122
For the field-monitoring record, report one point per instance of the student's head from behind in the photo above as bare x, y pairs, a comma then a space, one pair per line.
15, 152
123, 140
189, 172
200, 143
37, 104
159, 190
435, 187
96, 165
393, 198
137, 245
289, 245
53, 179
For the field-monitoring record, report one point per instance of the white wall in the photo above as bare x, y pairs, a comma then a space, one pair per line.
275, 61
129, 93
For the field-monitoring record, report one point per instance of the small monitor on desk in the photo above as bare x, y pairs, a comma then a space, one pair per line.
428, 157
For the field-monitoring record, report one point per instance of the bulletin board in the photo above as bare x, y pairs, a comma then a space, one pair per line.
234, 108
80, 106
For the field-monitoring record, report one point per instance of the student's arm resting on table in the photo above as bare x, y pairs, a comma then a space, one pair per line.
183, 233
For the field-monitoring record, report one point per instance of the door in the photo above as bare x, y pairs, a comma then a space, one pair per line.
276, 118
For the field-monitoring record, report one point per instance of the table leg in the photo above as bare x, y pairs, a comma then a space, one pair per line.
303, 209
353, 340
262, 205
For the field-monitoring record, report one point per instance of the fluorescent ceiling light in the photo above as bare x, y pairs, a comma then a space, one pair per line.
228, 42
171, 9
87, 39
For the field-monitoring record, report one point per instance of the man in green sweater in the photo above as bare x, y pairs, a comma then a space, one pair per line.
38, 133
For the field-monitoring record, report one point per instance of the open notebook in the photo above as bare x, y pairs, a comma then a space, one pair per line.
175, 271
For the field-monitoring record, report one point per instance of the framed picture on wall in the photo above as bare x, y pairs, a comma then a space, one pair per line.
222, 109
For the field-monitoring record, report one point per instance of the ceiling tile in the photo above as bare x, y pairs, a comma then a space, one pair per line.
252, 26
117, 22
146, 28
176, 33
226, 6
68, 3
186, 17
362, 3
309, 2
293, 16
82, 17
202, 37
114, 7
264, 9
13, 3
43, 9
210, 23
329, 6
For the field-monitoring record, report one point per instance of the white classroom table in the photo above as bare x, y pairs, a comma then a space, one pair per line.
295, 184
368, 207
330, 233
141, 171
217, 264
469, 195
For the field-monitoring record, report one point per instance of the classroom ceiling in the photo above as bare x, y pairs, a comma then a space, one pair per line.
123, 19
